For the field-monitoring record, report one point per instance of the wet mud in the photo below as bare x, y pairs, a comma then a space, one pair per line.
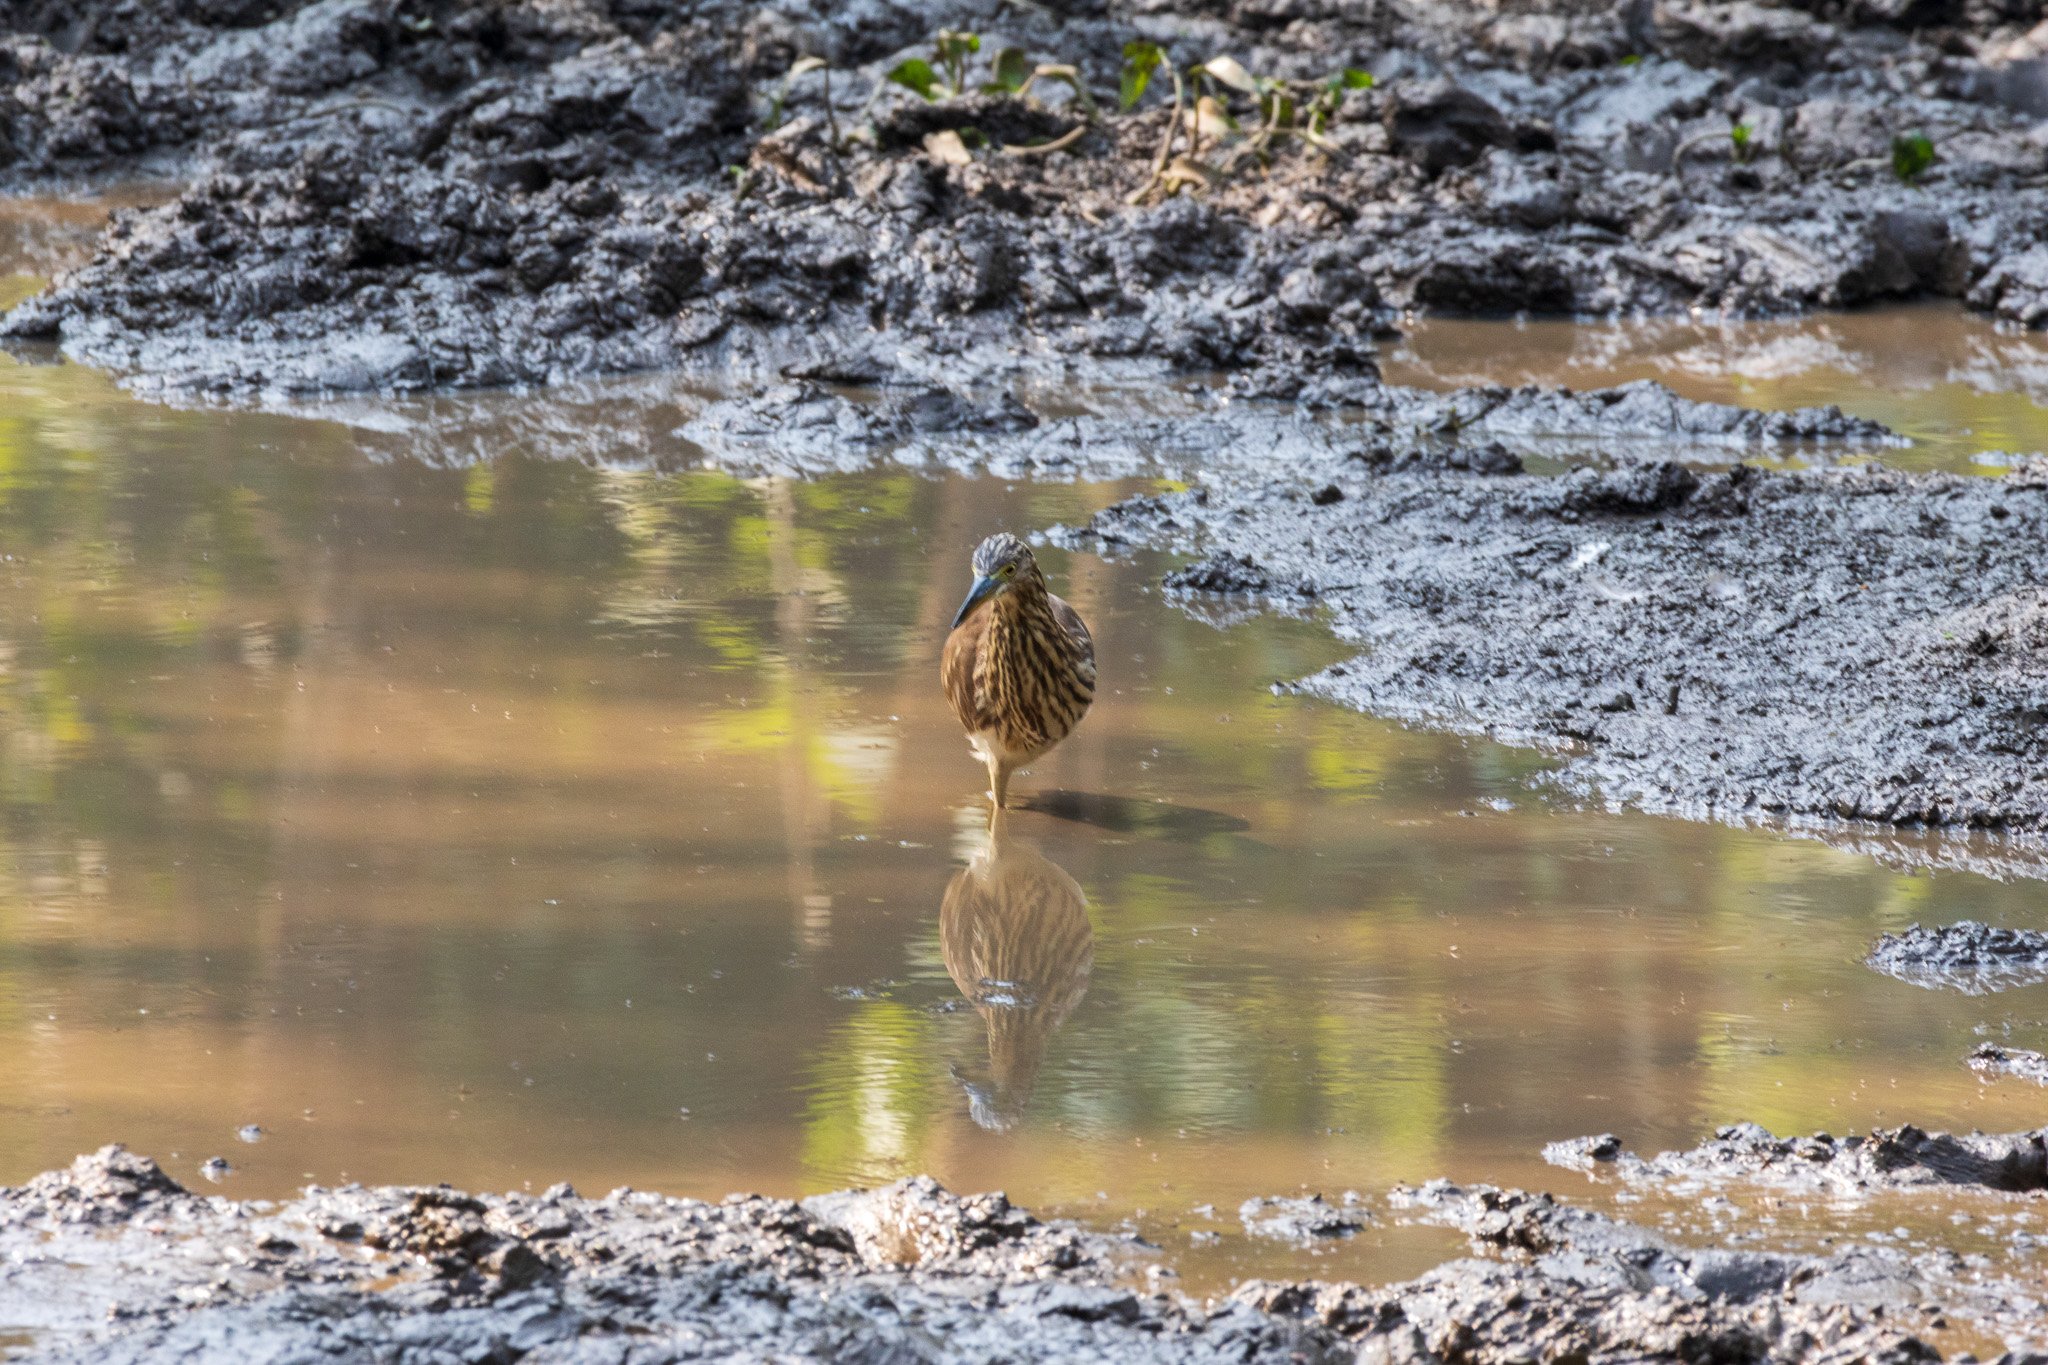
395, 194
1888, 1159
1974, 958
1996, 1060
1854, 644
112, 1260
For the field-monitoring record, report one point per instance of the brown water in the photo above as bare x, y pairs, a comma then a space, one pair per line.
1973, 395
529, 821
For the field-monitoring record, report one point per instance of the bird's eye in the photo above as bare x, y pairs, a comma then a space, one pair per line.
1009, 570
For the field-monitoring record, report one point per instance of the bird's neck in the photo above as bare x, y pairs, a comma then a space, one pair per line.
1026, 607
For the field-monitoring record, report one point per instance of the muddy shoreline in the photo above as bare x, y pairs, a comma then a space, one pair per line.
1854, 644
110, 1259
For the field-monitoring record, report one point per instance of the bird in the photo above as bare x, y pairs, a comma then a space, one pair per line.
1019, 664
1015, 936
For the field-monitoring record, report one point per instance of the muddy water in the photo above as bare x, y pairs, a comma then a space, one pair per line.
525, 821
1971, 394
528, 822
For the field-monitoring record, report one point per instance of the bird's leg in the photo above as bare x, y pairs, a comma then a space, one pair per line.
999, 782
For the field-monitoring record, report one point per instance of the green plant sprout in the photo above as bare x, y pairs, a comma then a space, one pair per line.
915, 74
1325, 103
1912, 154
1010, 72
1743, 136
1141, 59
950, 50
953, 48
1283, 109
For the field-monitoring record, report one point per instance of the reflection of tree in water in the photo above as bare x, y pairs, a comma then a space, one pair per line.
1015, 935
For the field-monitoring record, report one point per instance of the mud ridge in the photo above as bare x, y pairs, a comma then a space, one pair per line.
1974, 958
110, 1260
1888, 1159
1995, 1059
406, 194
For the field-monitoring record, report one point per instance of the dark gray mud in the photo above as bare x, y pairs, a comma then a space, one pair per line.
1974, 958
1890, 1159
402, 194
1851, 645
110, 1260
2018, 1063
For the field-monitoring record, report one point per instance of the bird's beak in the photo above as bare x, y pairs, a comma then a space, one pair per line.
983, 589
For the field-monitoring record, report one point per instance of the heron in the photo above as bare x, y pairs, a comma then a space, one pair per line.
1019, 665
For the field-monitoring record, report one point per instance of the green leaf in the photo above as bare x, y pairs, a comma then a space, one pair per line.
1141, 59
1231, 72
1740, 135
1632, 59
1011, 69
916, 74
1912, 154
1351, 78
1277, 108
955, 47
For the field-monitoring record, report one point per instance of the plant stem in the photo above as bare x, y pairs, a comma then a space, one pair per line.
1165, 143
1172, 126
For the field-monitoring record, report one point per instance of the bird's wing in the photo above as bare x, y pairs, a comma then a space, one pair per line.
1076, 629
956, 666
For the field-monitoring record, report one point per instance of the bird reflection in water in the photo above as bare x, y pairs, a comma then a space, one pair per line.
1015, 935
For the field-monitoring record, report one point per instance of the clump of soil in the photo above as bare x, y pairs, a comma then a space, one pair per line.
1996, 1059
1967, 956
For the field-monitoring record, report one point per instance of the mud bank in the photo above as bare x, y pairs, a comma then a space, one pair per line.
2017, 1063
1895, 1159
1854, 644
111, 1260
1974, 958
399, 194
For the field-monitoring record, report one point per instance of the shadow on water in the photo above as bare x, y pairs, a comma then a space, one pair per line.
1014, 933
1127, 815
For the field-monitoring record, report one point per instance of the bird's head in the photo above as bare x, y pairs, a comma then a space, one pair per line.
1002, 563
